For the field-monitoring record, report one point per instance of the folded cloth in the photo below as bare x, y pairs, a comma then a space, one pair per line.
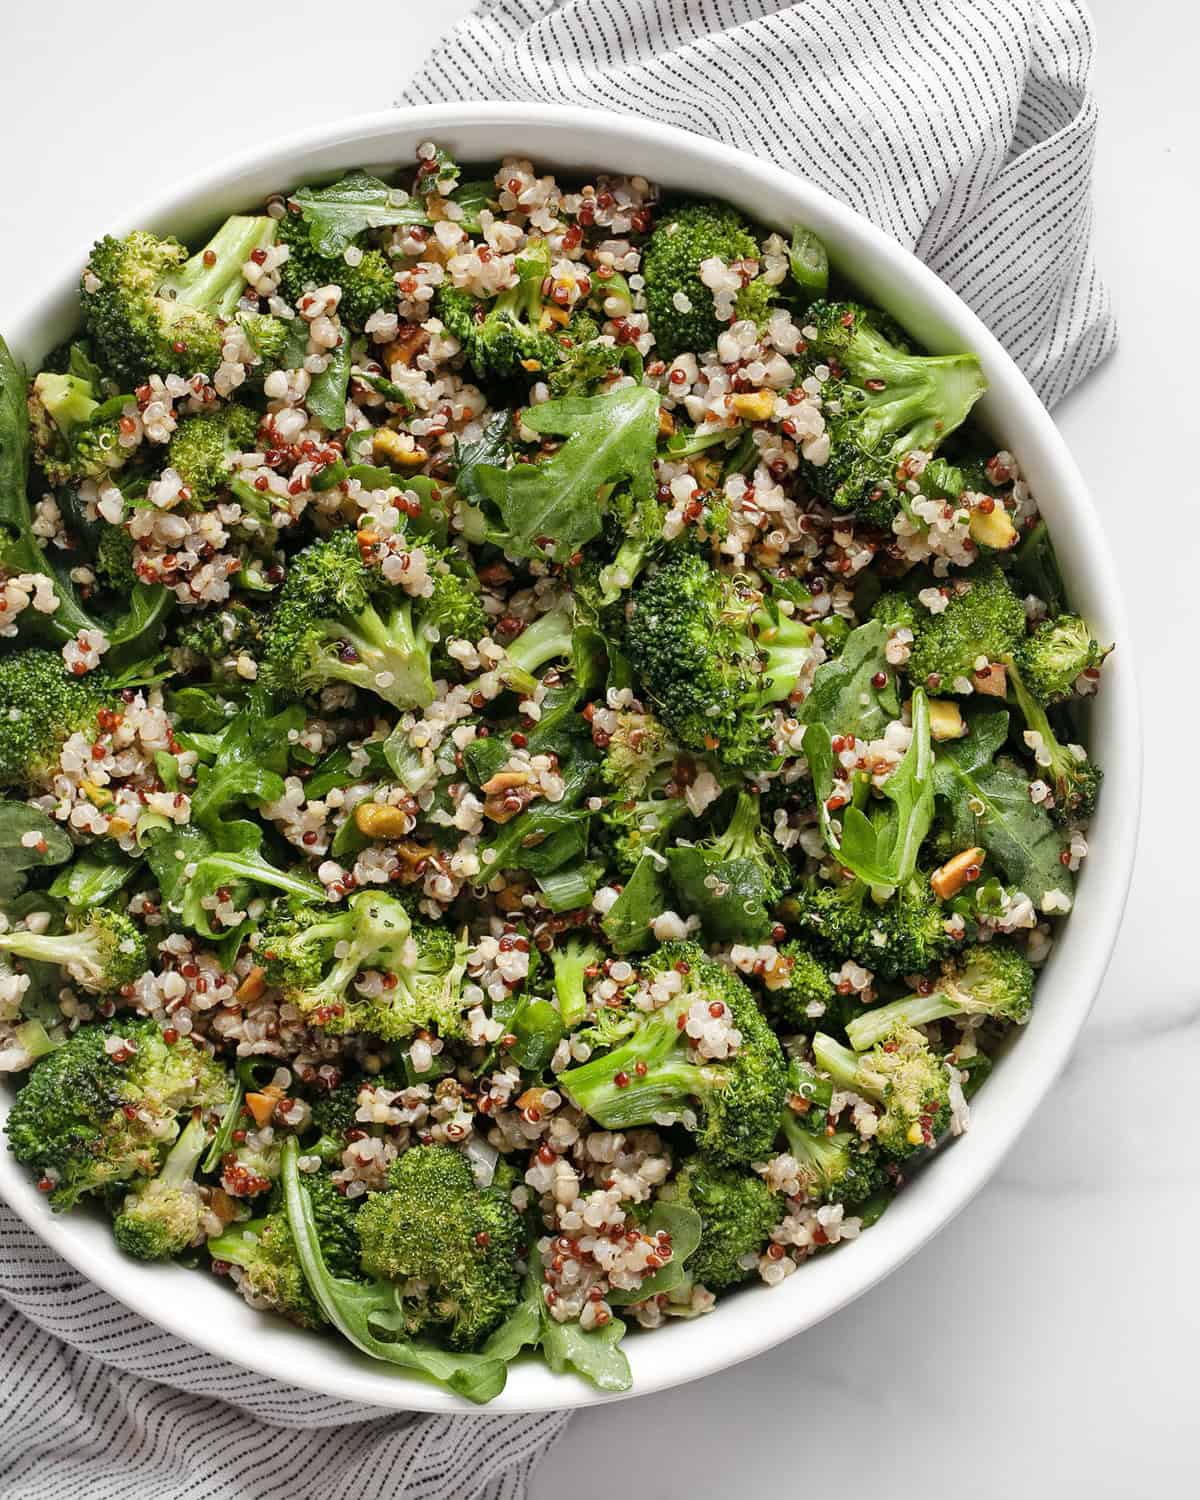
964, 128
98, 1404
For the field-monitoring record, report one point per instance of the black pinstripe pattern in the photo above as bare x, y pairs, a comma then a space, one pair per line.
965, 128
96, 1404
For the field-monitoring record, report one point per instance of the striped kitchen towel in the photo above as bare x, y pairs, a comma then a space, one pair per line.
97, 1404
964, 128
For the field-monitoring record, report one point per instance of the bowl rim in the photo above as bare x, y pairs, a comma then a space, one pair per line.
688, 1350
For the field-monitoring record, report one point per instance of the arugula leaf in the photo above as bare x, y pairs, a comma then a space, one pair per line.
571, 887
251, 755
609, 438
685, 1227
93, 876
558, 830
335, 769
385, 387
491, 447
191, 864
81, 364
14, 438
595, 1354
237, 860
338, 214
21, 552
16, 820
326, 399
626, 924
988, 804
881, 848
1035, 564
843, 695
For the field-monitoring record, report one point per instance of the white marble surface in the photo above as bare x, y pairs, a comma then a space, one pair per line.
1045, 1344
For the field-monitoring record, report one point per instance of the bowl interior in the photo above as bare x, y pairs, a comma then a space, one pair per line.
205, 1312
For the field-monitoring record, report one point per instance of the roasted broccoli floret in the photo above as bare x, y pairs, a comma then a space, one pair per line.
738, 1211
732, 882
338, 621
648, 775
368, 286
989, 979
901, 1074
904, 935
202, 446
683, 317
450, 1247
798, 987
585, 370
714, 657
270, 1272
214, 637
896, 610
837, 1167
101, 950
1055, 655
114, 560
514, 334
1074, 778
882, 403
656, 1074
41, 706
161, 1217
454, 610
68, 445
314, 956
984, 621
152, 309
88, 1116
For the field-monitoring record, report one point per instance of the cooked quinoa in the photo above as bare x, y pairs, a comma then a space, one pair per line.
439, 727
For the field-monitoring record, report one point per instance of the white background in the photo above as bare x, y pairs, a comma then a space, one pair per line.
1046, 1343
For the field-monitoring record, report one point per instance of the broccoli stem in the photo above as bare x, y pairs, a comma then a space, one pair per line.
216, 285
238, 1245
33, 1038
740, 839
787, 655
664, 1088
911, 1010
1037, 720
920, 399
181, 1161
641, 1078
842, 1065
616, 576
548, 637
69, 401
813, 1148
83, 949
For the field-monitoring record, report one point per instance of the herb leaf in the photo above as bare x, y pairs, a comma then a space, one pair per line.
609, 438
16, 857
880, 848
988, 804
843, 695
338, 214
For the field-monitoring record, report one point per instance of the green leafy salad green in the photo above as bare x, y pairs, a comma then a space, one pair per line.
541, 753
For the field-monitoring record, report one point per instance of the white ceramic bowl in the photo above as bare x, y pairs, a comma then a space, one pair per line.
205, 1311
